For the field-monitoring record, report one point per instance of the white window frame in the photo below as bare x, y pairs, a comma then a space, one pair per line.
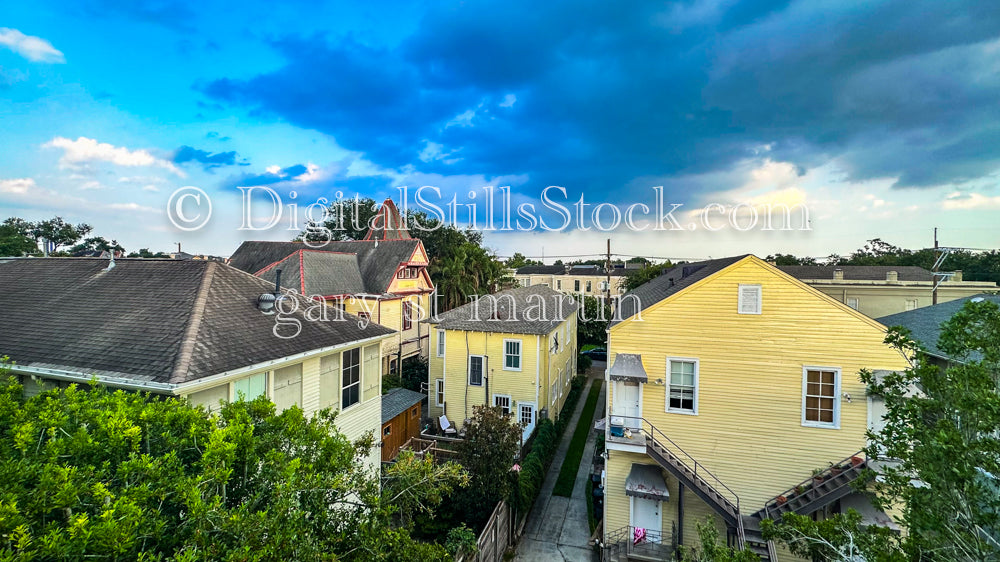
440, 342
344, 387
697, 371
510, 402
590, 285
439, 392
760, 298
857, 302
520, 354
558, 284
482, 376
234, 394
836, 397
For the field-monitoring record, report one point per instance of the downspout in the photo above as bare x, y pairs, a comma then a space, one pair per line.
538, 364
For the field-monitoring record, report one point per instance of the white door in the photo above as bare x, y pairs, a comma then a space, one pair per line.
646, 514
627, 403
526, 414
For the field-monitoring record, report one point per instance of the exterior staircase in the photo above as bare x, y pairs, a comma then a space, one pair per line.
819, 491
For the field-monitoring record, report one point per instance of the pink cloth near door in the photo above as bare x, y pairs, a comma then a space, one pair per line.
639, 535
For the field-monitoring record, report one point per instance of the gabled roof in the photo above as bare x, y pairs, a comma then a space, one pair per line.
525, 310
377, 261
541, 270
669, 282
159, 321
315, 272
397, 401
925, 323
857, 272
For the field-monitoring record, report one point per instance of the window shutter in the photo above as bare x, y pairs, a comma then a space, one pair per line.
749, 299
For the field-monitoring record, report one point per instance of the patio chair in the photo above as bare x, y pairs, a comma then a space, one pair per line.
446, 426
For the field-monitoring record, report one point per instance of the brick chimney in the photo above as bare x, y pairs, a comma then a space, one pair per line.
838, 274
892, 276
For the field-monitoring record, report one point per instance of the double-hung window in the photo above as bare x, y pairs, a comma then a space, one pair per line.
682, 394
440, 347
250, 387
512, 355
477, 368
820, 389
576, 285
350, 369
407, 315
439, 391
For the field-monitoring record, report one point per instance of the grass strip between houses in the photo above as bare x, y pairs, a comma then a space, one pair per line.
571, 464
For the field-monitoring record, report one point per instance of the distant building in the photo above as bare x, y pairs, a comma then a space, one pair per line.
188, 328
882, 290
924, 324
584, 280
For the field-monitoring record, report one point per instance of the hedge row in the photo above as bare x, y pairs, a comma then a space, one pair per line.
543, 449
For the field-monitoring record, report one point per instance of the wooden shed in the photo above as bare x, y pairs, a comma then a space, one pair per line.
401, 414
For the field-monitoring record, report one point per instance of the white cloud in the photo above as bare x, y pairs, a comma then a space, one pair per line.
84, 151
150, 187
312, 173
508, 101
964, 201
18, 186
132, 207
32, 48
275, 170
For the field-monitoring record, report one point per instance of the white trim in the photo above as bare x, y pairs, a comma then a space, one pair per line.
520, 355
631, 513
438, 393
697, 372
203, 383
361, 378
510, 402
538, 365
836, 397
468, 371
441, 342
760, 298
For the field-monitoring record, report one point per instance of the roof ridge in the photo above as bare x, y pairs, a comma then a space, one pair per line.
194, 324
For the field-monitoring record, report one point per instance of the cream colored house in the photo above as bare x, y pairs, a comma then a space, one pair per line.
882, 290
729, 382
583, 280
515, 349
189, 328
382, 278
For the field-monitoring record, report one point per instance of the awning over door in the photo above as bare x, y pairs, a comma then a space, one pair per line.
628, 367
646, 481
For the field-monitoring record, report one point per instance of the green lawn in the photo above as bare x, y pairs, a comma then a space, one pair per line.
571, 464
588, 347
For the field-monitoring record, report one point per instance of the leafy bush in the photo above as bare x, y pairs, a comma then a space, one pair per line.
583, 362
461, 539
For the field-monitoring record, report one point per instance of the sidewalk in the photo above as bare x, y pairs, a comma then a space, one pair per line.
557, 527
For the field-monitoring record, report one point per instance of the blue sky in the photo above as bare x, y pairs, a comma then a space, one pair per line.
880, 117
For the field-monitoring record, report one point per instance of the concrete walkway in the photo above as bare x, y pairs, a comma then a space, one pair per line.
557, 527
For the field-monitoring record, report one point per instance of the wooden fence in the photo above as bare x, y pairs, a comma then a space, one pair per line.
501, 532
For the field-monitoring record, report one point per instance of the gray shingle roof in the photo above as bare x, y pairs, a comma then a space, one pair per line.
315, 272
525, 310
858, 272
541, 270
377, 261
397, 401
164, 321
925, 323
669, 282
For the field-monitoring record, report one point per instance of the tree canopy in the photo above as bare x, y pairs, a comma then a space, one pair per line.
125, 476
646, 274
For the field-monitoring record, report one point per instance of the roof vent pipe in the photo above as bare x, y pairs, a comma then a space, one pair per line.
838, 274
277, 283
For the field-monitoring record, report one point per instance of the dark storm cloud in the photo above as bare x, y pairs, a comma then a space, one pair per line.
207, 159
606, 94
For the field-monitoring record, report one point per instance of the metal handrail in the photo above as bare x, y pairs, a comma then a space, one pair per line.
805, 483
735, 502
771, 551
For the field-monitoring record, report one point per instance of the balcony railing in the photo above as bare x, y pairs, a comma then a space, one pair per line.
622, 543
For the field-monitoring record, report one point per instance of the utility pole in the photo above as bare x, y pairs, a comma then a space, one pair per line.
607, 271
937, 263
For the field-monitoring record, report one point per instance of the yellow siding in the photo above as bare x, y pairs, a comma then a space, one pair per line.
537, 363
748, 428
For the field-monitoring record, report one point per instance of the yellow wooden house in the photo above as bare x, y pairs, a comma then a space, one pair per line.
515, 349
382, 279
730, 383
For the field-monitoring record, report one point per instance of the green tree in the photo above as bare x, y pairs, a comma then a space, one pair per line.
840, 538
491, 442
518, 260
59, 232
96, 244
123, 476
789, 259
943, 439
593, 325
637, 278
16, 239
145, 253
711, 550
